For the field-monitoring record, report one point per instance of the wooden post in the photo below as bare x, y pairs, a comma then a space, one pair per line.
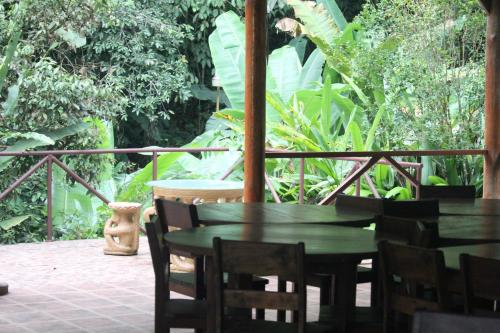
491, 182
255, 99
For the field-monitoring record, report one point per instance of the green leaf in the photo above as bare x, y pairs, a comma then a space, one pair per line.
326, 107
227, 46
451, 171
72, 37
335, 12
26, 144
280, 107
300, 44
318, 24
373, 129
11, 102
356, 89
13, 221
311, 72
436, 180
395, 192
9, 55
285, 69
356, 137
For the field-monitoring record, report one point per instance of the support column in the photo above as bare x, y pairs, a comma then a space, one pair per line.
255, 99
491, 182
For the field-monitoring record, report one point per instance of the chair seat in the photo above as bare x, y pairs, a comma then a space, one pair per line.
262, 326
318, 280
186, 313
364, 319
187, 279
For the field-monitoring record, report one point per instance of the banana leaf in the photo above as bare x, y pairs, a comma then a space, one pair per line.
310, 76
13, 221
285, 68
227, 46
22, 145
335, 12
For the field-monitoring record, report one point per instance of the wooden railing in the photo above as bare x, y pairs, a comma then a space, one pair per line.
366, 160
363, 161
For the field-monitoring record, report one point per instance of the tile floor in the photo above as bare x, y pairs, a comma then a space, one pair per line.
70, 286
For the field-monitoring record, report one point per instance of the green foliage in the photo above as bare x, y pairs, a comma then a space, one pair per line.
429, 56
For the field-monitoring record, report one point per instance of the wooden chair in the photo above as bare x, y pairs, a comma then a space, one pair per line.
481, 282
425, 322
174, 215
177, 215
171, 313
252, 258
404, 270
354, 203
447, 192
405, 231
411, 208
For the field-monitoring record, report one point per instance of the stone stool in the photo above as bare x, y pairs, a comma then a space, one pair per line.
121, 231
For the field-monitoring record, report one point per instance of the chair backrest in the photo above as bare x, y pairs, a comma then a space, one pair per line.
261, 259
406, 268
448, 192
349, 202
176, 214
405, 231
159, 252
411, 208
161, 267
481, 280
425, 322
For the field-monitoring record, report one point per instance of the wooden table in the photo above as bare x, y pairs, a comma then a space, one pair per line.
273, 213
455, 281
469, 206
198, 190
452, 254
329, 249
465, 228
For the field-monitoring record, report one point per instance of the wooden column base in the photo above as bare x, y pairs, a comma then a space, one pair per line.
4, 288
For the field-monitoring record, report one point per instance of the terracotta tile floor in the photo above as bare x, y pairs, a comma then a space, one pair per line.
70, 286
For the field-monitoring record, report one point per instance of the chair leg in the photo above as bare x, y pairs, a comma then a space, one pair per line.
325, 293
281, 288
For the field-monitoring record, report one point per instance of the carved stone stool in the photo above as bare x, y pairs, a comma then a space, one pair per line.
121, 231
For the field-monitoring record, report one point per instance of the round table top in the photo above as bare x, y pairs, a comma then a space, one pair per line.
469, 206
482, 227
340, 243
196, 184
273, 213
452, 254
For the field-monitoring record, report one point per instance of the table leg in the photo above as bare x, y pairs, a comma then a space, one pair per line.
345, 292
210, 292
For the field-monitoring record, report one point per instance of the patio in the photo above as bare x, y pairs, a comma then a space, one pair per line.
70, 286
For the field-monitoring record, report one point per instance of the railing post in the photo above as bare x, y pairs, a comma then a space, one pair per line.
358, 181
49, 198
419, 181
302, 181
155, 165
155, 173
